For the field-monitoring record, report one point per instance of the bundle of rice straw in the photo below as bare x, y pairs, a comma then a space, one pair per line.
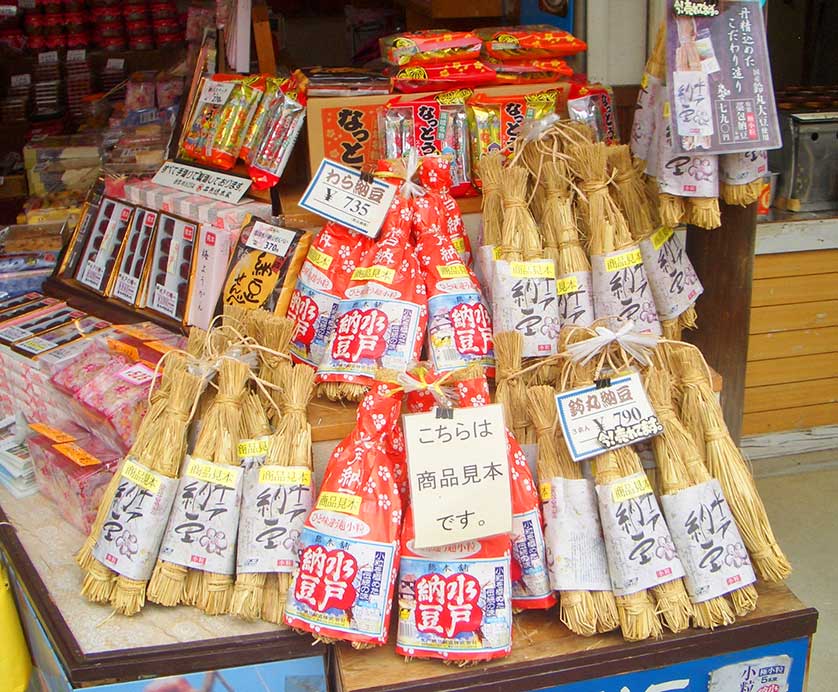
274, 333
518, 229
682, 468
704, 212
163, 453
490, 167
248, 593
583, 612
290, 446
741, 177
557, 208
511, 390
173, 363
702, 416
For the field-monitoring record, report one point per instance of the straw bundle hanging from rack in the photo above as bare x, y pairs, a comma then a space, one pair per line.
702, 417
490, 167
163, 454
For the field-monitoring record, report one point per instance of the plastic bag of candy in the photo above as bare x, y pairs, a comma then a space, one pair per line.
232, 122
528, 42
430, 46
443, 76
529, 71
200, 127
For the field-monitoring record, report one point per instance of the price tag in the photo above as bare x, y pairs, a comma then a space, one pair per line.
273, 239
51, 433
137, 374
77, 55
221, 186
126, 287
165, 300
595, 420
93, 275
769, 674
48, 58
338, 193
80, 456
21, 80
115, 64
459, 474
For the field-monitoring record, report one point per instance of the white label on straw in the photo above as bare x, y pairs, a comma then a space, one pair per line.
693, 114
708, 541
576, 299
641, 553
768, 674
643, 127
673, 280
526, 301
742, 168
205, 519
575, 547
622, 290
528, 550
484, 268
134, 525
683, 175
275, 503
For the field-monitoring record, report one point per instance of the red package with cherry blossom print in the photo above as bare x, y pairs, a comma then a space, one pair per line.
435, 176
382, 317
321, 284
349, 547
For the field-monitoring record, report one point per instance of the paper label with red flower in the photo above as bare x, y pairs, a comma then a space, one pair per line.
204, 523
342, 587
708, 541
640, 549
621, 289
453, 605
674, 283
742, 168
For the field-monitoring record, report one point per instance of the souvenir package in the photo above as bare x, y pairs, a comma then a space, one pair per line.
26, 261
232, 123
16, 283
198, 131
73, 331
349, 558
432, 125
271, 98
167, 290
342, 81
528, 42
73, 473
430, 46
529, 71
215, 245
265, 266
436, 77
83, 229
326, 273
271, 150
95, 361
34, 324
104, 243
12, 302
593, 105
23, 311
130, 271
381, 321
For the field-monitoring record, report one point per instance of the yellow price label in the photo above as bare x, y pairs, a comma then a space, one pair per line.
666, 110
51, 433
453, 271
567, 284
257, 447
141, 476
80, 456
533, 270
459, 244
660, 236
545, 491
285, 475
318, 258
212, 473
623, 261
644, 81
383, 275
496, 252
339, 502
630, 488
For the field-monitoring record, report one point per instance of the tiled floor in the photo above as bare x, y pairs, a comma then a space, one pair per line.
801, 507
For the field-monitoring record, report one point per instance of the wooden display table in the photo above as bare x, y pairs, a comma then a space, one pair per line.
545, 655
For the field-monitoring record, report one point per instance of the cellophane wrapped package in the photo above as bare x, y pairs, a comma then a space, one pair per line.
528, 42
430, 46
343, 588
441, 77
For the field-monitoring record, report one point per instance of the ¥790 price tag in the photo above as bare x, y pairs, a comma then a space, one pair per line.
340, 194
597, 419
459, 475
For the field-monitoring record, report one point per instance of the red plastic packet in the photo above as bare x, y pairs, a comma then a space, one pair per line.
321, 284
453, 75
349, 555
430, 46
523, 42
435, 176
381, 320
530, 71
200, 129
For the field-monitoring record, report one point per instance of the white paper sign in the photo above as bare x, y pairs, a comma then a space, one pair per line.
337, 192
768, 674
681, 174
93, 274
576, 299
673, 280
742, 168
202, 528
575, 547
21, 80
459, 474
526, 301
77, 55
164, 300
641, 553
221, 186
216, 93
711, 549
134, 525
621, 289
115, 64
48, 58
693, 115
595, 420
273, 239
126, 288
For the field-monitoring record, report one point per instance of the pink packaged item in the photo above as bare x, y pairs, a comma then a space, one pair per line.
93, 363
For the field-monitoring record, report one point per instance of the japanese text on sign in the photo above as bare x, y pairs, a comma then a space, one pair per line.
598, 419
340, 194
459, 475
272, 239
221, 186
769, 674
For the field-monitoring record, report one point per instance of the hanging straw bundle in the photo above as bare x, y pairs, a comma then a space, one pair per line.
583, 612
702, 417
683, 468
248, 591
163, 454
553, 209
519, 229
290, 446
704, 212
511, 390
490, 167
274, 333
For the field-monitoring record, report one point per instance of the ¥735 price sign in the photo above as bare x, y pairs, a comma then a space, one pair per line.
459, 475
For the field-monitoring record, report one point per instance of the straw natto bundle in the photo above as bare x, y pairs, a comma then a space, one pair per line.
704, 212
561, 222
174, 363
162, 454
273, 333
247, 597
702, 417
511, 391
490, 168
290, 446
552, 191
630, 192
740, 195
518, 223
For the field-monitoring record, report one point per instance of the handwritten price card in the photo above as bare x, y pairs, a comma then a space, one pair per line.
340, 194
459, 475
596, 419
